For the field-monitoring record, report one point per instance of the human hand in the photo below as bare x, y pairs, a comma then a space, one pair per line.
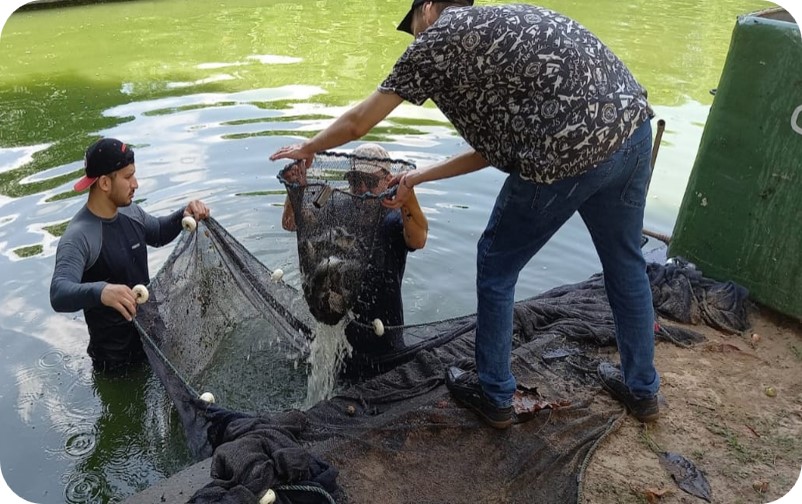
121, 298
197, 209
402, 194
296, 151
295, 174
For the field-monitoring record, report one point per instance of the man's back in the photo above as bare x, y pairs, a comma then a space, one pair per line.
524, 86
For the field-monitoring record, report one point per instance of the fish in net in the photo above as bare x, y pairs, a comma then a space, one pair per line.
352, 252
338, 217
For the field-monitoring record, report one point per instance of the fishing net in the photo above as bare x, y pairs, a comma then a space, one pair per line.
352, 253
217, 322
338, 214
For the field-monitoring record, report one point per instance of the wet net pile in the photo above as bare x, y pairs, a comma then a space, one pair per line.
217, 322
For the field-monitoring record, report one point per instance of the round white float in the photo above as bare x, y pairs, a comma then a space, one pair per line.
207, 397
378, 327
140, 293
277, 275
188, 223
269, 497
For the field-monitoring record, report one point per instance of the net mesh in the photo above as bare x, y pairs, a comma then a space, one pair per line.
337, 211
217, 322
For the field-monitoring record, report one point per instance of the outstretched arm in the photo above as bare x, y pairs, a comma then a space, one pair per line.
353, 124
160, 231
294, 174
460, 164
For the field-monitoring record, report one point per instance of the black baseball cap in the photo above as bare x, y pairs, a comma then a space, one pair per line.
406, 23
103, 157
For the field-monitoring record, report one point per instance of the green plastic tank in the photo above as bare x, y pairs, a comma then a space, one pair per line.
741, 215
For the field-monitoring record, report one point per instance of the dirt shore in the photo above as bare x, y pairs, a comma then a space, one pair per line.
734, 410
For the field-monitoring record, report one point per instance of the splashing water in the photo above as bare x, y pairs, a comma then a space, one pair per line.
326, 354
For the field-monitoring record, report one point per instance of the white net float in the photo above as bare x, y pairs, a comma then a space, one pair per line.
378, 327
188, 223
277, 274
269, 497
207, 397
141, 293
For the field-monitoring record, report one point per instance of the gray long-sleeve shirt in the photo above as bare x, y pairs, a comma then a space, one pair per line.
95, 252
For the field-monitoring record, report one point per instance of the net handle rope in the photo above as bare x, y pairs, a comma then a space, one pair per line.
307, 488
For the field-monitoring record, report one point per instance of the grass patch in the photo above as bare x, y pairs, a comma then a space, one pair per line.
62, 196
57, 229
29, 251
646, 437
293, 118
184, 108
741, 452
378, 134
262, 193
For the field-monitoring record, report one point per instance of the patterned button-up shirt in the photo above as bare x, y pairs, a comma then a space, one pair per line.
531, 90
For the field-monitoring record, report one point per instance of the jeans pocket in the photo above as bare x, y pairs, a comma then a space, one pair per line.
634, 192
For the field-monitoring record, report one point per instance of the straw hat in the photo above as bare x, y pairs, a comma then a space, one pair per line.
380, 162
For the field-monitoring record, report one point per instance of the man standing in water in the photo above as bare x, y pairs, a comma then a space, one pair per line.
538, 96
103, 253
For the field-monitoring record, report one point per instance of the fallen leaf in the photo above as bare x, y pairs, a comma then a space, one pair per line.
654, 495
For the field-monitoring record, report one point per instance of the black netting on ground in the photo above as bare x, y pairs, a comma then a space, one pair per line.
219, 323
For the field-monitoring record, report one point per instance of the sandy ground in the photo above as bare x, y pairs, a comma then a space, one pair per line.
734, 410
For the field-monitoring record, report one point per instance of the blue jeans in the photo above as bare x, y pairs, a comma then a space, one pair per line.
610, 199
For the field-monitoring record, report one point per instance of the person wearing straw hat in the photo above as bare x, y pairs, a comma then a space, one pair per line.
541, 98
103, 253
401, 231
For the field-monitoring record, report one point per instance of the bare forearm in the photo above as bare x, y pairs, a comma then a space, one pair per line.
288, 216
353, 124
460, 164
341, 131
416, 227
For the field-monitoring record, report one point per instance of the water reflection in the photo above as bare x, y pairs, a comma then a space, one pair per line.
119, 453
675, 48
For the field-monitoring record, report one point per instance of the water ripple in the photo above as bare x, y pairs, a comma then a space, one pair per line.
83, 488
51, 359
81, 443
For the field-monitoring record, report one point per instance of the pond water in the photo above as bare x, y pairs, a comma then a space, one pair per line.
205, 91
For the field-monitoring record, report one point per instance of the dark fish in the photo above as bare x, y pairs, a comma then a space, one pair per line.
686, 474
331, 274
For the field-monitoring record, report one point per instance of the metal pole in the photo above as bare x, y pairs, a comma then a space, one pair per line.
661, 126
